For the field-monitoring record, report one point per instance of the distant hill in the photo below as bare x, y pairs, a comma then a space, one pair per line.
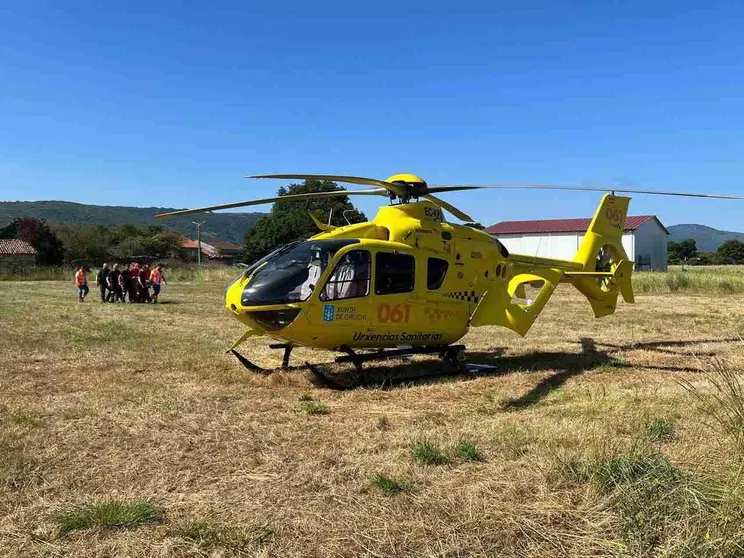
230, 227
707, 239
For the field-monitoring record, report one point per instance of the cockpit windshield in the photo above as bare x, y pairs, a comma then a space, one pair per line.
291, 273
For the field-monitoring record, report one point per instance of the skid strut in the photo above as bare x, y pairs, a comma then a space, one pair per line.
287, 351
253, 367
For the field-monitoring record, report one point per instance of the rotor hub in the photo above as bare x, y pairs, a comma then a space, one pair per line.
415, 185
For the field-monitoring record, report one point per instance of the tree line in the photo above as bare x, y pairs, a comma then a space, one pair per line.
730, 252
89, 244
92, 244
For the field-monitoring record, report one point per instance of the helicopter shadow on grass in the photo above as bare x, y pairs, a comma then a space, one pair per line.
662, 346
565, 365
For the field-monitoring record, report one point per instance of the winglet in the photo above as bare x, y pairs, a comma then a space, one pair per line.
321, 225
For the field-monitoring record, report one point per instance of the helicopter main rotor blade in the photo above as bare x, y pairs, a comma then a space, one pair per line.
439, 189
584, 189
389, 186
451, 208
291, 197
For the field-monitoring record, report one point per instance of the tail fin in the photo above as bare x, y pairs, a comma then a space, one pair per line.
606, 269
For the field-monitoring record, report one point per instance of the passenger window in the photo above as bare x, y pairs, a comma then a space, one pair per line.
394, 273
350, 278
436, 270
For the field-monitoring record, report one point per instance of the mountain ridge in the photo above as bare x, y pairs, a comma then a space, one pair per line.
707, 239
230, 227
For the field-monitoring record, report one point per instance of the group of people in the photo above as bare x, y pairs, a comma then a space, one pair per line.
124, 283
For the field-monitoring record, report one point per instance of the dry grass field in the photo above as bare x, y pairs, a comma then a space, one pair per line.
126, 431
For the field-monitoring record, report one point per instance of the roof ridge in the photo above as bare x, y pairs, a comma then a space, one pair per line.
16, 247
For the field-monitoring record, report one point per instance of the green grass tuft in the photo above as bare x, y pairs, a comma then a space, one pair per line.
429, 454
25, 419
649, 494
315, 408
467, 451
110, 514
724, 403
390, 485
576, 471
661, 430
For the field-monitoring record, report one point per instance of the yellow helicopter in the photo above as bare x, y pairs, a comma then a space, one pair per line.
408, 282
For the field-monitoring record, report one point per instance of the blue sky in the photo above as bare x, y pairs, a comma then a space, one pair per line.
169, 104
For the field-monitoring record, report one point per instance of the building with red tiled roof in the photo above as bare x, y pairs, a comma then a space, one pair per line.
644, 238
226, 249
214, 250
16, 255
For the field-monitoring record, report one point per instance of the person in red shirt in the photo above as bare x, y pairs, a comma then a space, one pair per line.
81, 282
135, 269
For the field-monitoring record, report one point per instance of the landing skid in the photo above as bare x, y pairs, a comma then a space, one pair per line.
449, 354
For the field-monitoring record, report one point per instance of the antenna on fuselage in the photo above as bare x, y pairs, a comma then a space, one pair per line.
345, 217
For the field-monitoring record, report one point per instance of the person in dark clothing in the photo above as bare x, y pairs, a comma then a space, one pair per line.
144, 286
131, 291
125, 282
101, 280
112, 282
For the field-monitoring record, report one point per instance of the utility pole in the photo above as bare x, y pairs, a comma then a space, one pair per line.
198, 240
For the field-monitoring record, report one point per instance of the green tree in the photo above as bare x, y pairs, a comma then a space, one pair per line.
680, 252
290, 220
163, 245
39, 235
86, 244
730, 252
124, 231
129, 249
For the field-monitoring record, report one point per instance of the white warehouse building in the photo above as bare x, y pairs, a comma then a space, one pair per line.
644, 239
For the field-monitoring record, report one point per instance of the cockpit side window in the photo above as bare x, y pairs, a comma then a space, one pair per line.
394, 273
350, 278
436, 270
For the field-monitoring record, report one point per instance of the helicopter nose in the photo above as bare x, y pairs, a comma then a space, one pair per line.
232, 297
